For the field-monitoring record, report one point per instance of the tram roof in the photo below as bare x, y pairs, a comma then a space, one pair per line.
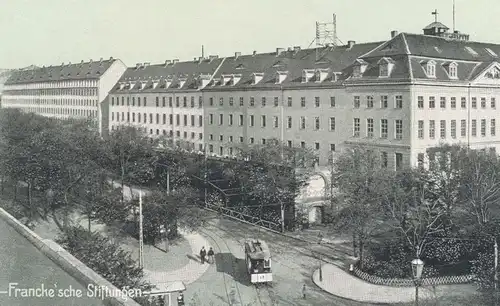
258, 249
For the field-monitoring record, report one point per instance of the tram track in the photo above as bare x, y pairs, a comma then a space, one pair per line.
267, 299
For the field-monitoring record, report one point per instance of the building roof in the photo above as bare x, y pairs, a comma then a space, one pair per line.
436, 24
257, 249
80, 71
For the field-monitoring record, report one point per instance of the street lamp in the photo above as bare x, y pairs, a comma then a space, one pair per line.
320, 238
417, 266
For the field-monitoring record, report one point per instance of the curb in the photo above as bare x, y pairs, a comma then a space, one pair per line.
66, 261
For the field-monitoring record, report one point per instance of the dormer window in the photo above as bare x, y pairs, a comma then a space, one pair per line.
143, 84
131, 85
182, 81
235, 79
471, 51
491, 52
257, 77
281, 76
320, 75
430, 69
452, 70
335, 76
224, 79
203, 80
307, 75
155, 83
359, 68
122, 85
385, 66
168, 82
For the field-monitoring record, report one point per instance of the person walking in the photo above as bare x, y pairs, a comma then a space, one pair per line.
304, 291
210, 255
203, 253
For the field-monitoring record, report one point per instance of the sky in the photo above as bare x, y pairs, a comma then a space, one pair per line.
49, 32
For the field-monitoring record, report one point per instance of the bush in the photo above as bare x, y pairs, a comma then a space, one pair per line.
104, 257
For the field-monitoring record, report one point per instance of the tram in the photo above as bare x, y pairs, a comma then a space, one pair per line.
258, 261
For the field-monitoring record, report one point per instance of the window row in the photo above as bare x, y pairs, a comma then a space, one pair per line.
274, 101
61, 111
383, 131
60, 101
443, 102
155, 119
131, 101
483, 128
302, 124
54, 92
383, 101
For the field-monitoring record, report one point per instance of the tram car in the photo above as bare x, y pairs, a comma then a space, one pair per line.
258, 261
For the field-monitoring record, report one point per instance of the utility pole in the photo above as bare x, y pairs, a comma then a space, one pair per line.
141, 239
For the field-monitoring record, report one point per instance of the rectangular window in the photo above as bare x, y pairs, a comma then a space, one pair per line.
170, 119
369, 127
332, 147
184, 103
356, 127
263, 120
303, 101
316, 101
420, 102
483, 127
302, 122
421, 129
252, 122
252, 101
332, 101
211, 101
240, 120
151, 118
384, 159
384, 101
221, 101
289, 101
231, 101
369, 101
474, 127
192, 120
316, 145
399, 161
178, 119
200, 120
453, 129
356, 102
275, 121
483, 102
289, 122
276, 101
398, 129
169, 101
157, 101
211, 119
420, 160
185, 120
463, 128
221, 119
316, 124
474, 102
177, 102
442, 129
384, 128
432, 102
463, 102
158, 118
493, 102
442, 102
332, 124
432, 129
242, 101
493, 128
263, 101
230, 119
399, 101
453, 102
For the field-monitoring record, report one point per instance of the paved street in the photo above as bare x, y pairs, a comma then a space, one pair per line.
227, 280
22, 263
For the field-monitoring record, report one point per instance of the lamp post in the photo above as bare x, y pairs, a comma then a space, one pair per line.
417, 266
320, 238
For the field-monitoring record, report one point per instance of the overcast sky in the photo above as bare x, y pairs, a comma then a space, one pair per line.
45, 32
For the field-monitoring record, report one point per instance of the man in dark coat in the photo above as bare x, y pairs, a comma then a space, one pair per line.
210, 255
203, 253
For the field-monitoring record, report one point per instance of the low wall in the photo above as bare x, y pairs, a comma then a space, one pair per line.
404, 282
66, 261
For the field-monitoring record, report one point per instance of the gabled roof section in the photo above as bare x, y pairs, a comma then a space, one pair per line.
80, 71
489, 74
418, 64
395, 46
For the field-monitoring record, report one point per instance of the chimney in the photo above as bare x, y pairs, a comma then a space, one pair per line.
100, 60
200, 59
212, 57
138, 65
81, 62
111, 58
175, 61
279, 51
351, 44
254, 53
296, 48
145, 65
168, 62
394, 34
237, 54
90, 61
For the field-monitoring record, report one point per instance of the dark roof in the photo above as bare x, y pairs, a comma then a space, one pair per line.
436, 24
83, 70
257, 249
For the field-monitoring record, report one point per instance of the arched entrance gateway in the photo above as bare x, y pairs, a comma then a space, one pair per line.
313, 197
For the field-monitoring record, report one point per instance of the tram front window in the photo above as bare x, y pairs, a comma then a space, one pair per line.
257, 266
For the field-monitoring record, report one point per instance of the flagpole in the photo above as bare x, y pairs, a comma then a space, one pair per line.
141, 239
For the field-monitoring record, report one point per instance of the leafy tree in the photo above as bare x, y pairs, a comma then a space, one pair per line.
363, 184
104, 257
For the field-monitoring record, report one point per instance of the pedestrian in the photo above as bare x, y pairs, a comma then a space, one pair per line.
203, 253
210, 255
304, 291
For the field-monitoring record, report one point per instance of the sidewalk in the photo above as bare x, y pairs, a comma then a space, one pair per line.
339, 282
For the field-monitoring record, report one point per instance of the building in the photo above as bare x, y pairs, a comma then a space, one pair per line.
65, 91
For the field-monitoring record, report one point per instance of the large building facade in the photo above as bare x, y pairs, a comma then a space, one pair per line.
398, 97
65, 91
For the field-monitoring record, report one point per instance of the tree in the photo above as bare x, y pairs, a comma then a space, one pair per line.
362, 183
104, 257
